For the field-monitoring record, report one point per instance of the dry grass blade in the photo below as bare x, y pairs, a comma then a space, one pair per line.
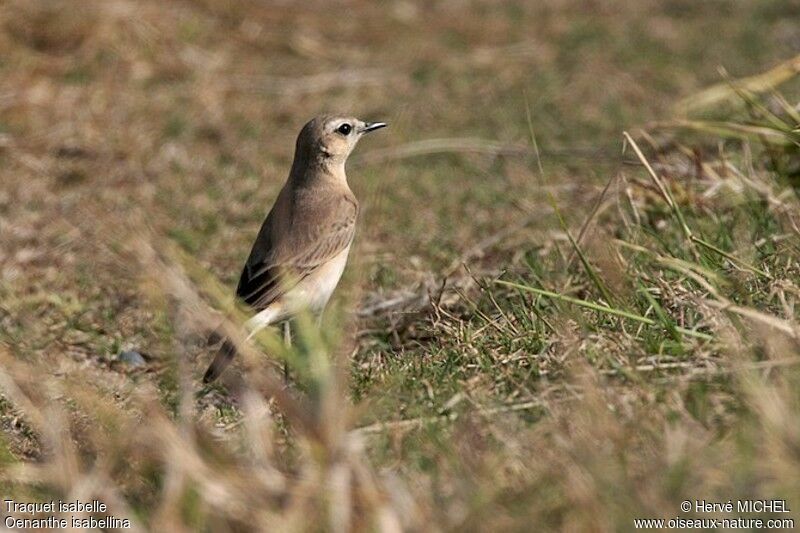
723, 92
731, 129
665, 193
774, 322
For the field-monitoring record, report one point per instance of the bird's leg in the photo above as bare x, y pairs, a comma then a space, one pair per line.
287, 334
287, 340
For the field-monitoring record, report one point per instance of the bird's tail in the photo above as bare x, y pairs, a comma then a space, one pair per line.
227, 351
223, 358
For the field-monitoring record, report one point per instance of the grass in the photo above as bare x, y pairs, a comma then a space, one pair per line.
570, 329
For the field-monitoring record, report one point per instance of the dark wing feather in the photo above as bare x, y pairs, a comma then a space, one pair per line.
258, 287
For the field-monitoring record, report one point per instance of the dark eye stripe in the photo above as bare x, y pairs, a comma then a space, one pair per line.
345, 129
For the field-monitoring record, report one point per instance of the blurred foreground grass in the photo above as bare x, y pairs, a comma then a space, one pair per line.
489, 365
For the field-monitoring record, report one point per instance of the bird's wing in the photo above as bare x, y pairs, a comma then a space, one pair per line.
318, 230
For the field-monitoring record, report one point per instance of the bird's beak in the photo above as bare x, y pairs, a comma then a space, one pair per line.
372, 126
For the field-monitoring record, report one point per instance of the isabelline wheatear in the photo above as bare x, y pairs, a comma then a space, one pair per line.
300, 252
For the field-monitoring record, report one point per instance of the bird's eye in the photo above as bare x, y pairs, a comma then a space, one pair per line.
344, 129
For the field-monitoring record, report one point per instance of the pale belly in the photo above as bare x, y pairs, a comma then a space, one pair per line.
311, 294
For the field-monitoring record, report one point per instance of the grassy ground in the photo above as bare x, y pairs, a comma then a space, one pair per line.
534, 328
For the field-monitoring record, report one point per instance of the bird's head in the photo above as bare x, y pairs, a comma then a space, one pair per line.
332, 138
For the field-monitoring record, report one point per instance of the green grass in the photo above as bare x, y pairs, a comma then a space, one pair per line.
541, 348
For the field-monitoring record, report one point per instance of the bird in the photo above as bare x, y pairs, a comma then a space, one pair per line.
301, 250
